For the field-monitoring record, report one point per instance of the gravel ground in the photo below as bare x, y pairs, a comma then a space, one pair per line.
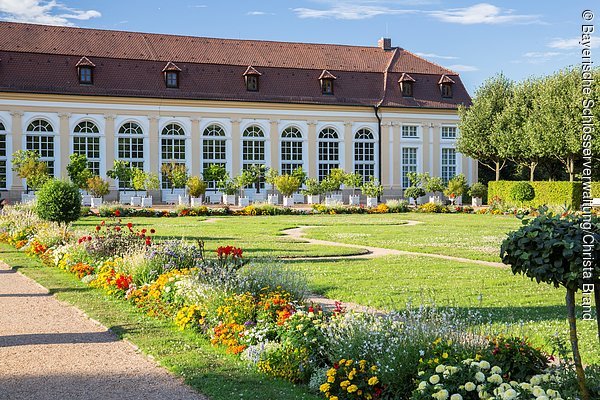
51, 350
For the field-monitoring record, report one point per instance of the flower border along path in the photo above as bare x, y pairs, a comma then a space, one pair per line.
372, 252
51, 350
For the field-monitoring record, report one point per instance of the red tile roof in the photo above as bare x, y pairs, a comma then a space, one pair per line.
171, 67
42, 59
85, 62
251, 71
327, 75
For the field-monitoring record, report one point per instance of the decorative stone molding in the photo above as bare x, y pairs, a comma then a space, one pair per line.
16, 113
236, 120
311, 123
64, 115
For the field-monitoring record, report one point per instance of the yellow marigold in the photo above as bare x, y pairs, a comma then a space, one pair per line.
324, 387
352, 388
331, 372
345, 384
330, 379
333, 398
373, 381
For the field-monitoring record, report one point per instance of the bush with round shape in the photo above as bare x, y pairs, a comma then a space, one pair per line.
522, 192
59, 201
97, 186
372, 188
478, 190
414, 192
196, 186
78, 170
287, 184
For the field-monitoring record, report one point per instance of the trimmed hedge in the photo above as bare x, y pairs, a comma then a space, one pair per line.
546, 193
595, 189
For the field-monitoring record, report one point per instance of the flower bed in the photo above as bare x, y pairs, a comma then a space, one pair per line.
259, 313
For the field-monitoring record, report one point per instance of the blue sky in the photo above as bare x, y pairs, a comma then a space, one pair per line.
475, 38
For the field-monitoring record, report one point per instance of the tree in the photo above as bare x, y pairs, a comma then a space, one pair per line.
97, 186
415, 190
257, 173
78, 170
287, 184
457, 186
522, 192
270, 177
122, 172
481, 137
549, 249
355, 181
176, 174
27, 165
145, 181
433, 184
214, 173
372, 187
247, 178
196, 186
60, 202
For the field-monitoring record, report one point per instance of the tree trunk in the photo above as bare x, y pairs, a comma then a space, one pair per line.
571, 168
532, 167
570, 300
497, 170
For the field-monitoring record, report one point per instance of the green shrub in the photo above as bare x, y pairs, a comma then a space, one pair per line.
522, 192
97, 186
196, 186
478, 190
287, 184
546, 193
59, 201
372, 188
517, 357
414, 192
595, 189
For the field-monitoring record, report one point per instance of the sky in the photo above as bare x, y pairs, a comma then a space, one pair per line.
474, 38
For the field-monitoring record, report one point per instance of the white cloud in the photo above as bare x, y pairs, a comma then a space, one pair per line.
259, 13
568, 44
199, 6
483, 13
43, 12
433, 55
349, 11
463, 68
545, 54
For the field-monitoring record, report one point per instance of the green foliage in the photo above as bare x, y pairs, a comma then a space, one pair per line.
59, 201
97, 186
121, 171
372, 188
522, 192
353, 181
517, 357
333, 182
313, 187
433, 183
546, 193
270, 177
78, 170
27, 165
457, 186
478, 190
196, 186
287, 184
145, 181
300, 174
214, 173
228, 185
254, 175
549, 249
595, 189
414, 192
176, 174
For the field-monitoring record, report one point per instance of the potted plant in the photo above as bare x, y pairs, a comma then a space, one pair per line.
301, 175
177, 176
79, 173
213, 174
151, 182
138, 182
415, 190
27, 165
313, 191
355, 181
372, 189
196, 188
229, 187
247, 178
121, 172
257, 173
433, 184
477, 192
287, 186
332, 185
270, 177
98, 187
457, 186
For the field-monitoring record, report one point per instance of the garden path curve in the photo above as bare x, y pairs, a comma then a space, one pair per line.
51, 350
373, 252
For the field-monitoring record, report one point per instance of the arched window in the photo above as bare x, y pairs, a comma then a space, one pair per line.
291, 150
86, 141
130, 147
40, 138
172, 148
329, 152
253, 148
3, 156
214, 149
364, 153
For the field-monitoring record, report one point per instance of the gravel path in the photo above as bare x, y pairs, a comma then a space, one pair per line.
373, 252
51, 350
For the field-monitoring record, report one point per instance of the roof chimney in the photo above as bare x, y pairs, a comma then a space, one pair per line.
385, 43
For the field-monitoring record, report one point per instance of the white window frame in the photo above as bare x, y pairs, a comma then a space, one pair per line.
214, 138
39, 136
327, 164
446, 177
4, 157
255, 143
365, 144
417, 165
418, 132
448, 127
95, 164
135, 162
295, 144
172, 137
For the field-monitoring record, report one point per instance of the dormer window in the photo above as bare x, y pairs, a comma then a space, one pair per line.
85, 71
326, 80
446, 84
406, 85
171, 72
251, 78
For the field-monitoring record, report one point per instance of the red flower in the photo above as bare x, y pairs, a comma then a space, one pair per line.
129, 225
117, 213
89, 238
148, 241
117, 228
123, 281
311, 309
97, 228
152, 230
143, 231
336, 365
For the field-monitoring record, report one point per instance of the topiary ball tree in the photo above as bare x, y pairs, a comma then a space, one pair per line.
59, 201
522, 192
550, 249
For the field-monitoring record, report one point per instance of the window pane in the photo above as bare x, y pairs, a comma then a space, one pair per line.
409, 164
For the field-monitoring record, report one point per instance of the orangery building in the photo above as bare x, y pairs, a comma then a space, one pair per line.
150, 99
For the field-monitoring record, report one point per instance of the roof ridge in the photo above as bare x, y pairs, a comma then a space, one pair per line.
386, 72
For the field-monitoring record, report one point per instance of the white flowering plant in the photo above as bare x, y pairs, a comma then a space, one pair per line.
478, 379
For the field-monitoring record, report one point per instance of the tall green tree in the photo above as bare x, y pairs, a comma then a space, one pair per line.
78, 170
481, 135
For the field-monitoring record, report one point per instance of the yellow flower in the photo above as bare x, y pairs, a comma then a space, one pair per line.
324, 387
331, 372
445, 355
373, 381
374, 368
330, 379
345, 384
352, 388
349, 363
333, 398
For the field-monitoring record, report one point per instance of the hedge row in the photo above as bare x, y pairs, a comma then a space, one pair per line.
546, 193
595, 189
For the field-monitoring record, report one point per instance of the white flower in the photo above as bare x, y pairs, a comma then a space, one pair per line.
421, 373
542, 398
434, 379
495, 378
422, 385
480, 377
525, 386
535, 380
456, 397
441, 395
484, 364
421, 353
439, 369
510, 394
538, 391
469, 386
496, 370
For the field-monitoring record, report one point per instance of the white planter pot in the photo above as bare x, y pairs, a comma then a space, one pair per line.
96, 202
332, 201
146, 202
354, 200
371, 201
27, 197
229, 199
288, 201
258, 197
183, 200
313, 199
457, 201
337, 197
136, 201
298, 198
171, 198
273, 199
476, 201
86, 200
214, 197
125, 196
243, 202
435, 199
196, 201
